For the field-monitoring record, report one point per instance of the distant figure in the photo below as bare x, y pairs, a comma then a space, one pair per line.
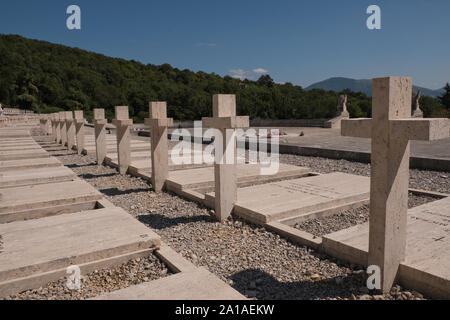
342, 105
1, 110
416, 112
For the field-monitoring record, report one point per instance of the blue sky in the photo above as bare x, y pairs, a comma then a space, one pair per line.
294, 41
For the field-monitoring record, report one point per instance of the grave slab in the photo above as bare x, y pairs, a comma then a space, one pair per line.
145, 166
29, 164
427, 264
24, 177
19, 146
29, 202
136, 155
204, 177
298, 197
199, 284
48, 244
23, 154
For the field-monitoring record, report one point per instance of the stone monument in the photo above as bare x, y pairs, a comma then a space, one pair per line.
391, 129
70, 127
100, 135
79, 127
342, 113
63, 127
416, 111
225, 120
158, 123
122, 122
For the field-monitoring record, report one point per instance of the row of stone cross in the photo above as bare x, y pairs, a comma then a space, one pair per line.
65, 126
391, 129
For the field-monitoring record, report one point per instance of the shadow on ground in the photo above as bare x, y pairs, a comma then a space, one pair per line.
158, 221
116, 192
255, 283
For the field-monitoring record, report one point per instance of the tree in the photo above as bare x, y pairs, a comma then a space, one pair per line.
43, 76
445, 98
265, 80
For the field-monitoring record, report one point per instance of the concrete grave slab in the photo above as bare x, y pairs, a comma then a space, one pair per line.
298, 197
29, 164
136, 155
24, 177
112, 147
427, 264
198, 284
23, 154
20, 147
35, 201
41, 246
204, 177
144, 167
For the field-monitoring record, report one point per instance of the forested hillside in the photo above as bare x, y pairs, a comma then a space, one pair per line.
46, 77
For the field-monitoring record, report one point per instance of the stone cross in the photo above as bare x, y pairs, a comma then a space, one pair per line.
123, 123
100, 135
44, 124
56, 127
158, 123
62, 127
70, 127
391, 129
79, 127
224, 119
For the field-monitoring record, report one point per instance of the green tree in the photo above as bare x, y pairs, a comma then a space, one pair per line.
445, 98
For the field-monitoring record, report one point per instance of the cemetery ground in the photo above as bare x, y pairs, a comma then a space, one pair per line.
255, 261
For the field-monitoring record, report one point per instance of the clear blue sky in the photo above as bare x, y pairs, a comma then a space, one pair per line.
297, 41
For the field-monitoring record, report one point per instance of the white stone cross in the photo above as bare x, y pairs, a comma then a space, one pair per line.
122, 122
79, 127
44, 124
158, 123
62, 127
70, 127
56, 128
391, 129
100, 135
224, 119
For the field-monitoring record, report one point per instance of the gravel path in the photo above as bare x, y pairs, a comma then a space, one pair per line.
256, 262
349, 218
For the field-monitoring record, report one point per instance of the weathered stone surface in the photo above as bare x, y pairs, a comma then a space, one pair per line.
29, 164
298, 197
37, 247
158, 123
391, 130
122, 124
23, 154
26, 199
32, 176
246, 173
427, 264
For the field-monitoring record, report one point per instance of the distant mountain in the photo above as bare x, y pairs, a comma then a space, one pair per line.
364, 85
